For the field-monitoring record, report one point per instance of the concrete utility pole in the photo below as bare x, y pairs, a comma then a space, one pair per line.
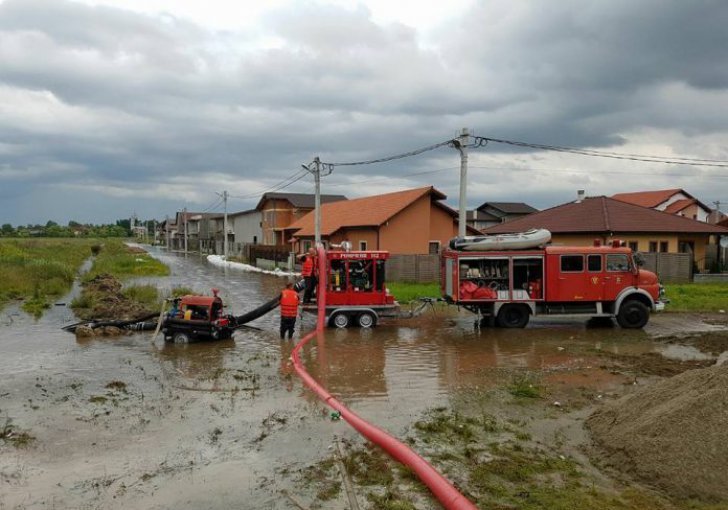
166, 230
461, 144
316, 171
184, 212
224, 196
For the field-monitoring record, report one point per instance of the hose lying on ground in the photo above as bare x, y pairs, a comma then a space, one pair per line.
263, 309
441, 488
138, 324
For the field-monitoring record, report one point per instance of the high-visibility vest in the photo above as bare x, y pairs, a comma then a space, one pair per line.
289, 303
307, 268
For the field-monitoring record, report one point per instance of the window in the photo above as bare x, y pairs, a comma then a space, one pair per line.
653, 247
362, 246
255, 239
572, 263
617, 262
434, 248
306, 246
594, 262
632, 245
663, 246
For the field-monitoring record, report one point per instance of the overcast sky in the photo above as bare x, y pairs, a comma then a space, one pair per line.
119, 106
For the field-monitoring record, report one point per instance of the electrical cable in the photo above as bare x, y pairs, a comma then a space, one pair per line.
603, 172
387, 179
672, 160
276, 187
392, 158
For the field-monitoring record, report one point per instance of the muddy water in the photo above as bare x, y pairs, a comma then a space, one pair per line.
131, 423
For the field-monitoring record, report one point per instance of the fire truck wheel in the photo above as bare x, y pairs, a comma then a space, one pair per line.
633, 314
181, 338
366, 320
513, 316
340, 320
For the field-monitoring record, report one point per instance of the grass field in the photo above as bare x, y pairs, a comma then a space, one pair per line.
697, 297
406, 292
39, 271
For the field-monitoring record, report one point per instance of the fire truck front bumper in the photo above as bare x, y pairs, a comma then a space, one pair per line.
660, 305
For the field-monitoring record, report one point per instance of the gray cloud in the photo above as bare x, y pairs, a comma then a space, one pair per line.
106, 98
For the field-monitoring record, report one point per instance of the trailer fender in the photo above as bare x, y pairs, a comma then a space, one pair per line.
499, 304
634, 293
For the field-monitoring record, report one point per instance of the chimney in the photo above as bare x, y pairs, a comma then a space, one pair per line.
579, 196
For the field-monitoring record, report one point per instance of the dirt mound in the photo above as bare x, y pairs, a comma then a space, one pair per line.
671, 435
103, 299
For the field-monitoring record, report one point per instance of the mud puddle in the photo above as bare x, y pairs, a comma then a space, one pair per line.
127, 422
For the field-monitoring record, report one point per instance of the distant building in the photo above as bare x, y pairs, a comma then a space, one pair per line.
672, 201
280, 210
490, 214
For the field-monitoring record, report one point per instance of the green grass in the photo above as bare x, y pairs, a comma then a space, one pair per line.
117, 259
697, 297
39, 270
406, 292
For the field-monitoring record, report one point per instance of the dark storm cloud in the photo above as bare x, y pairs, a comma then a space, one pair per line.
100, 96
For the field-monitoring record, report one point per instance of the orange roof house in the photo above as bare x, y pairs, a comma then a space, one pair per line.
672, 201
580, 222
413, 221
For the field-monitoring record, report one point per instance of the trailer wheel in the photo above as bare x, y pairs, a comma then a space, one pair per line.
181, 338
633, 314
340, 320
513, 316
366, 320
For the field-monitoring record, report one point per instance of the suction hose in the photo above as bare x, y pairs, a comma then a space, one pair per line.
441, 488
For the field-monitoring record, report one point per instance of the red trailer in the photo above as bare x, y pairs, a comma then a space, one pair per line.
509, 286
356, 293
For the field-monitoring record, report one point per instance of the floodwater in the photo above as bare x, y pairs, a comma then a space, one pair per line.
134, 423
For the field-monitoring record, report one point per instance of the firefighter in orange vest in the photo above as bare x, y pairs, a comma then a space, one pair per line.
289, 310
309, 276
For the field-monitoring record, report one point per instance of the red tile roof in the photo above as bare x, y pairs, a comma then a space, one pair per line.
599, 215
679, 205
647, 198
364, 212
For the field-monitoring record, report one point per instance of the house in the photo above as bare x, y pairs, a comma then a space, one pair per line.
246, 227
413, 221
490, 214
672, 201
580, 222
279, 210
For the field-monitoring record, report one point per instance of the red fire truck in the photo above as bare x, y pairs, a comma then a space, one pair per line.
510, 286
355, 290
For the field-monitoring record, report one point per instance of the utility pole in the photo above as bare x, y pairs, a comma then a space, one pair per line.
166, 230
316, 171
184, 212
224, 196
461, 144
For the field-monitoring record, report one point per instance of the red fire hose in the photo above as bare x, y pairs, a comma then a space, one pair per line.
442, 489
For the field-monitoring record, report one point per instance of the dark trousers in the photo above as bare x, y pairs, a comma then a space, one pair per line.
310, 288
287, 324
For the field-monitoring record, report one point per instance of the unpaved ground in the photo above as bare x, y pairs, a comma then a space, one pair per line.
126, 423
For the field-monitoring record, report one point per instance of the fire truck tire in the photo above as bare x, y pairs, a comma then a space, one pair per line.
181, 338
513, 316
633, 314
340, 320
366, 320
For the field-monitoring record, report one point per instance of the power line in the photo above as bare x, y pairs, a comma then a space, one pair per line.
672, 160
605, 172
297, 176
398, 176
392, 158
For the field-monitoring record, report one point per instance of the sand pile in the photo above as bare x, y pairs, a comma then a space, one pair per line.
673, 435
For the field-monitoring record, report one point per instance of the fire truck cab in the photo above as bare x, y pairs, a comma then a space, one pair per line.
510, 286
356, 293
